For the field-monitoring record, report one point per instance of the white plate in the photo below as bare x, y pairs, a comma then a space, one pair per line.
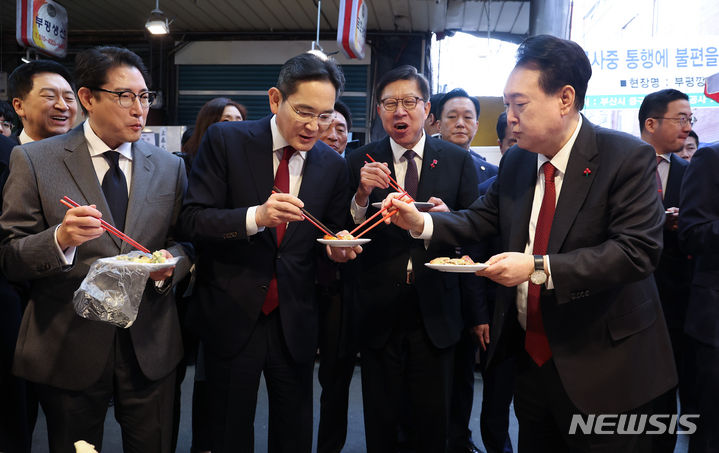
461, 268
152, 267
422, 206
343, 242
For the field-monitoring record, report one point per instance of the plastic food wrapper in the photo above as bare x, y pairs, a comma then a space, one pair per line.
113, 288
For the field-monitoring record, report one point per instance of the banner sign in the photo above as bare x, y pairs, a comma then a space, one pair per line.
623, 74
352, 27
42, 25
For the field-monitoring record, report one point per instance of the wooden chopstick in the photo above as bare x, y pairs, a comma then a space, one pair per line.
310, 217
67, 201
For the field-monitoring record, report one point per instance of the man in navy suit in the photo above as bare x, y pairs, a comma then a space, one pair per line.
576, 209
698, 226
665, 120
256, 309
409, 316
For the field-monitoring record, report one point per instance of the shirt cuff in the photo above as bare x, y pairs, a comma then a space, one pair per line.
250, 223
359, 213
68, 256
428, 228
550, 283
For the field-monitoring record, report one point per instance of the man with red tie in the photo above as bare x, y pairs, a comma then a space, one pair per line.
576, 209
256, 309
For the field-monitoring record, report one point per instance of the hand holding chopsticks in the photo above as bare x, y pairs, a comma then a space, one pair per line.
306, 215
83, 231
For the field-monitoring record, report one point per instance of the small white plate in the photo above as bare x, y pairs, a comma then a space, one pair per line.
422, 206
343, 242
152, 267
461, 268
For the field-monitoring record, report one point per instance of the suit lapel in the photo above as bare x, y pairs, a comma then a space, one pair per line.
674, 182
142, 172
575, 186
313, 171
79, 164
526, 175
259, 161
426, 182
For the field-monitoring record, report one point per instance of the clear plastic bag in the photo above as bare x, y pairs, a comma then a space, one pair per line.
112, 290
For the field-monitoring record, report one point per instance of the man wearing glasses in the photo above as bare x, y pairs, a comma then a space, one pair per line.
256, 309
79, 365
665, 121
409, 315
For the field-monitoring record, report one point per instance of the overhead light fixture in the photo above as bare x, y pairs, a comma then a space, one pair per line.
157, 23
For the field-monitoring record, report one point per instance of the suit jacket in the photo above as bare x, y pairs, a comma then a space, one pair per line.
603, 318
56, 346
232, 172
447, 173
699, 235
674, 272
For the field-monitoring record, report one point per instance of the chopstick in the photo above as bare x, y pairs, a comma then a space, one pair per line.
395, 184
309, 217
67, 201
377, 223
376, 214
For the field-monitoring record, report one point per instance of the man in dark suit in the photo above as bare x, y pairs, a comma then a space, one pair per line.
256, 309
576, 209
410, 317
698, 221
458, 123
78, 365
665, 120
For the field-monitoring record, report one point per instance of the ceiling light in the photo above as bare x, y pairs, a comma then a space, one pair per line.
157, 23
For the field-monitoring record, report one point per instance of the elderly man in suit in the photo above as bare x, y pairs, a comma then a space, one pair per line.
576, 209
79, 365
409, 316
698, 226
256, 309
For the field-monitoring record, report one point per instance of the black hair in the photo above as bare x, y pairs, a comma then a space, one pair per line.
655, 104
434, 102
209, 114
405, 72
92, 65
20, 81
309, 67
502, 126
694, 134
456, 93
342, 108
561, 62
8, 112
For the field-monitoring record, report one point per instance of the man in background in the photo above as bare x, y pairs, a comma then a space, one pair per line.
7, 118
504, 140
691, 144
431, 123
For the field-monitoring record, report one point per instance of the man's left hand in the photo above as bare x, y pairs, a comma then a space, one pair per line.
481, 335
509, 268
439, 205
163, 274
343, 254
671, 219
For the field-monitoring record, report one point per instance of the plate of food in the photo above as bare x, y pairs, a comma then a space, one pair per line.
153, 262
422, 206
342, 240
461, 265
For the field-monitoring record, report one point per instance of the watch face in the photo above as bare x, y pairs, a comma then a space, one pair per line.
538, 277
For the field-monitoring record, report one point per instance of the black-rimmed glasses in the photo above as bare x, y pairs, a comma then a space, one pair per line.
127, 98
409, 103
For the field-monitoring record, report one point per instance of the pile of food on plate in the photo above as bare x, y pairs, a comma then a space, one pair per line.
156, 257
340, 237
464, 261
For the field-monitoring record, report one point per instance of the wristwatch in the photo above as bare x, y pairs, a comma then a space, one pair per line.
539, 276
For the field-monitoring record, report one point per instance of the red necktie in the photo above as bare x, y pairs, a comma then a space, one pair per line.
282, 182
535, 341
659, 178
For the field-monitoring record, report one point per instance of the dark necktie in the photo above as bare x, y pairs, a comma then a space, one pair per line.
411, 179
114, 185
536, 342
659, 179
282, 182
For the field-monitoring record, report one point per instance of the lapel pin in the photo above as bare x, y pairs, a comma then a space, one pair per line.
434, 163
587, 172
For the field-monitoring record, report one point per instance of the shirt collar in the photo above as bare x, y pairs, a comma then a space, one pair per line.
97, 147
666, 157
398, 150
24, 138
278, 141
561, 159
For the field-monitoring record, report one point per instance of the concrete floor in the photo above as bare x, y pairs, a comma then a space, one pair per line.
355, 432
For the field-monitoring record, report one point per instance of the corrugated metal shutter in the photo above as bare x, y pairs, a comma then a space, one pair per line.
248, 85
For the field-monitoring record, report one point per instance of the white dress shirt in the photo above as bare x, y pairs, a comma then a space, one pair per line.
663, 170
295, 166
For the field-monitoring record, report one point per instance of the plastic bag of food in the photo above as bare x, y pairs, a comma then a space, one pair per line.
113, 288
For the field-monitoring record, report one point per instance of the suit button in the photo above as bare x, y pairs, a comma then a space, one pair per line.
279, 256
264, 287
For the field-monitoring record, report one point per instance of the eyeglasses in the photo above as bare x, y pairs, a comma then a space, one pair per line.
6, 124
409, 103
682, 120
127, 98
323, 119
